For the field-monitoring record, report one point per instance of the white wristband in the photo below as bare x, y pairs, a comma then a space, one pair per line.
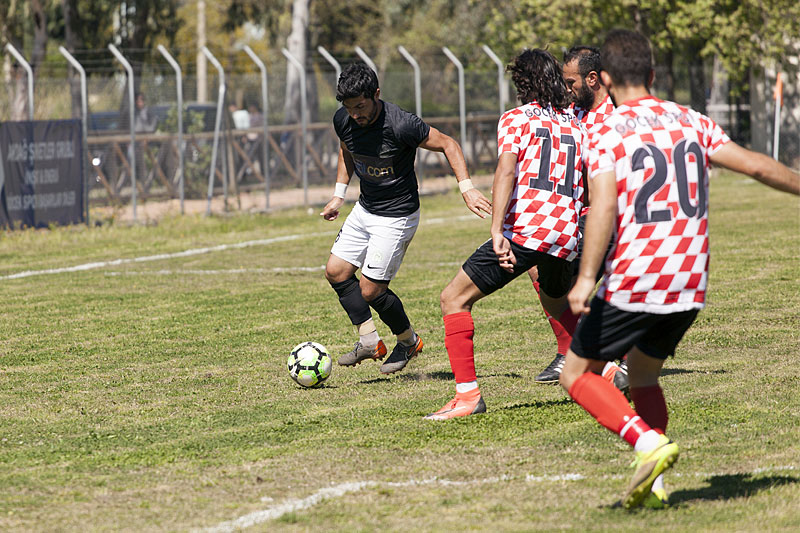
465, 185
340, 190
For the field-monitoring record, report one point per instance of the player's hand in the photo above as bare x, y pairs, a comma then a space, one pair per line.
477, 202
502, 248
331, 209
578, 297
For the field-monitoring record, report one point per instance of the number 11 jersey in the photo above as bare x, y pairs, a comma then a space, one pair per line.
659, 151
542, 213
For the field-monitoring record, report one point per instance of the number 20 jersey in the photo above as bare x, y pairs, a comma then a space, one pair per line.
542, 213
659, 151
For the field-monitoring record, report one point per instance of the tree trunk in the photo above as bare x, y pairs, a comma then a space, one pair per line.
202, 62
669, 60
68, 7
296, 44
39, 35
697, 80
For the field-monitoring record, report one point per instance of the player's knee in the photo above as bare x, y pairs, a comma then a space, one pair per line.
451, 301
331, 276
336, 274
370, 291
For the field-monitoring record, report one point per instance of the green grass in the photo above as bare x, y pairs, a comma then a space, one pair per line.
153, 395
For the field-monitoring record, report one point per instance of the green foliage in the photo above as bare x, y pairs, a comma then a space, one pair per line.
741, 34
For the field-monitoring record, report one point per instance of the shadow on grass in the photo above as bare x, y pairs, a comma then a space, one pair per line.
678, 371
727, 487
537, 404
439, 375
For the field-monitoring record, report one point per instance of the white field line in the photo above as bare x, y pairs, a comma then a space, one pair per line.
291, 505
274, 270
276, 511
197, 251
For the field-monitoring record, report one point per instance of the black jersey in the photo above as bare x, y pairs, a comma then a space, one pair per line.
383, 153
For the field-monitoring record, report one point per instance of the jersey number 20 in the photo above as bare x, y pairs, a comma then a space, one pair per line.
660, 173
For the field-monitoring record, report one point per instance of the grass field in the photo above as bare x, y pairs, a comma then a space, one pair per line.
152, 395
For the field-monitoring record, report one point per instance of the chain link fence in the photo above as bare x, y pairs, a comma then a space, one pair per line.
240, 165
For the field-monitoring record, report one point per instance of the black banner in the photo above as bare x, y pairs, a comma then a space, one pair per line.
41, 173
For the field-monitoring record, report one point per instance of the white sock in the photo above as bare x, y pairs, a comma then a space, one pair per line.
461, 388
408, 337
647, 441
658, 483
370, 339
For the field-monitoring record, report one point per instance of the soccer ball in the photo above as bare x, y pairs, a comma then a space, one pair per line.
309, 364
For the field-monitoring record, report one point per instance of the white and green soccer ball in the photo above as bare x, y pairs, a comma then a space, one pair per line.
309, 364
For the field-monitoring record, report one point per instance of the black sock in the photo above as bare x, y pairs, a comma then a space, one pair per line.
353, 303
390, 309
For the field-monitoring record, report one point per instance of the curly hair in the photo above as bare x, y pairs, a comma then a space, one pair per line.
538, 76
357, 79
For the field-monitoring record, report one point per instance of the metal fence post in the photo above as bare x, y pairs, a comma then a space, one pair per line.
417, 98
217, 123
132, 120
462, 109
84, 127
21, 60
332, 60
303, 119
363, 55
179, 89
501, 80
264, 108
417, 78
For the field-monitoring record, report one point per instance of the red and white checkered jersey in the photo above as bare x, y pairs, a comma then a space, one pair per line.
542, 213
659, 152
591, 117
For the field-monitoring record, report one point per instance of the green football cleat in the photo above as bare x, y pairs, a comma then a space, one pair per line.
649, 465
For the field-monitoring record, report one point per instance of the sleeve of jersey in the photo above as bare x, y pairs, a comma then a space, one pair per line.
413, 130
715, 137
510, 131
337, 123
601, 156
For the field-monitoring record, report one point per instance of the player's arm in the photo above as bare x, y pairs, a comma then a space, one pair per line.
599, 225
344, 170
758, 166
502, 186
439, 142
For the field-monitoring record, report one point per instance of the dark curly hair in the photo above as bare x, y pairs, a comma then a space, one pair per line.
357, 79
538, 76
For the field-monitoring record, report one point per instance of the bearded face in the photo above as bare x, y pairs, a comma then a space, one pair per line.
584, 97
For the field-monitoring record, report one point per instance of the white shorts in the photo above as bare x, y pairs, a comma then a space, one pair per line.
373, 243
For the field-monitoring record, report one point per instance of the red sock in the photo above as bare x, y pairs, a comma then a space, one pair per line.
608, 406
651, 406
458, 332
568, 321
563, 338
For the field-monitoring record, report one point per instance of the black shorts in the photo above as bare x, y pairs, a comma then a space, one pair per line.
608, 333
483, 268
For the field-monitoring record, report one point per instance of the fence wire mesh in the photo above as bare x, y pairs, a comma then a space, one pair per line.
240, 166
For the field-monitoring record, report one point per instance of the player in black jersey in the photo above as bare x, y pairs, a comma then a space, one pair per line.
378, 141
